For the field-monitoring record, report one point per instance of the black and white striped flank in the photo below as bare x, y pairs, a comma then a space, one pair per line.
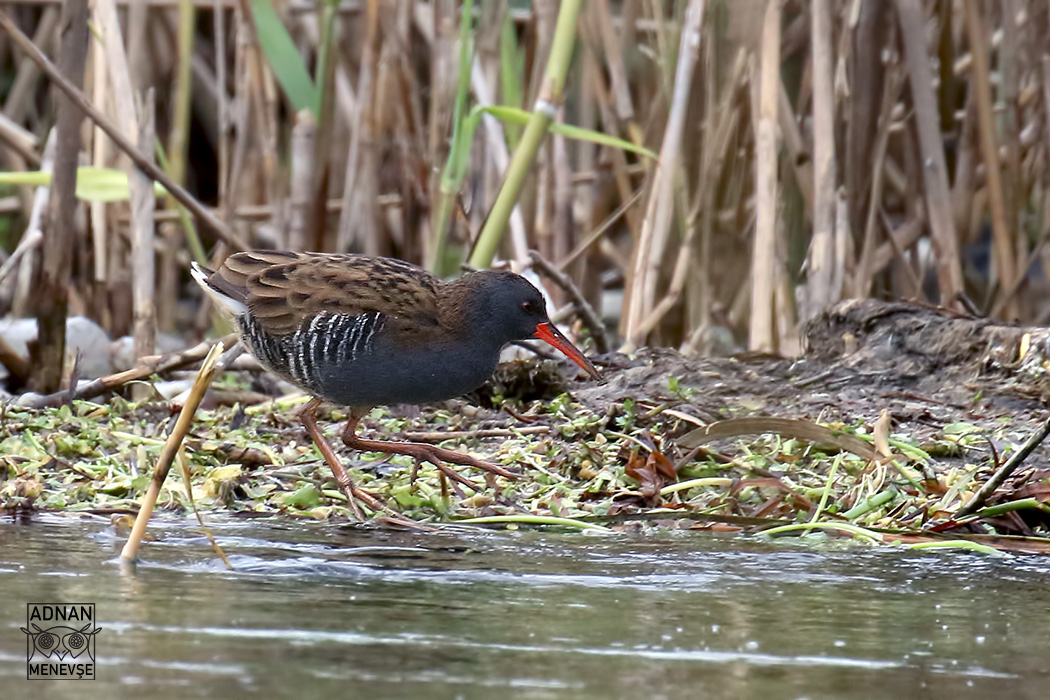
326, 340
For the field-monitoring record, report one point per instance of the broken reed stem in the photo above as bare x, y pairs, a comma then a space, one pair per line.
80, 102
187, 480
1015, 461
169, 451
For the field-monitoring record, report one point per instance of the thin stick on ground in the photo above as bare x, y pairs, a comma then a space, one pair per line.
149, 366
1018, 458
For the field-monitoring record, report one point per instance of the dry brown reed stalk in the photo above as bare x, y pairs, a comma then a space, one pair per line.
1001, 228
255, 171
820, 290
299, 235
763, 260
137, 122
866, 267
143, 202
610, 122
935, 169
641, 313
101, 147
359, 221
60, 230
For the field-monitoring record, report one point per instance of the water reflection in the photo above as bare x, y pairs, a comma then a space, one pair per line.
316, 610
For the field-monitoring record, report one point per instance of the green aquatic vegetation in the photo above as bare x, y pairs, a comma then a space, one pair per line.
572, 462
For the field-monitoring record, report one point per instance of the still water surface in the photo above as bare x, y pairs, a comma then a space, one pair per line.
320, 610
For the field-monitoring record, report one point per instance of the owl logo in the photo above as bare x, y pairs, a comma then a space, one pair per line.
60, 641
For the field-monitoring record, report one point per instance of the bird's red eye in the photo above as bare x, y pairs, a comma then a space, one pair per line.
528, 306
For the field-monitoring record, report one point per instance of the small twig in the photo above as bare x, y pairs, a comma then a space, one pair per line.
587, 313
600, 231
145, 164
1005, 471
820, 376
149, 366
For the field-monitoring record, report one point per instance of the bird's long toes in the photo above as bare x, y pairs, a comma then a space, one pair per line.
454, 475
468, 461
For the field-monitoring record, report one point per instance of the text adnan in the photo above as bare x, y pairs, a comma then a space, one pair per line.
65, 613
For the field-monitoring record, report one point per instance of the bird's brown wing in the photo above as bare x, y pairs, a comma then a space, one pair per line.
283, 289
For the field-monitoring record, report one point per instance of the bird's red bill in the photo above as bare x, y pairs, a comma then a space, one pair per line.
549, 333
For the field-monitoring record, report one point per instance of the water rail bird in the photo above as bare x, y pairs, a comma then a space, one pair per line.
365, 331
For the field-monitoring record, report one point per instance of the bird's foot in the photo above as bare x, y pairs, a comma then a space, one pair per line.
354, 495
439, 457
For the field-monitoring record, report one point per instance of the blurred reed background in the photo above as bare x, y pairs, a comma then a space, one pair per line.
708, 175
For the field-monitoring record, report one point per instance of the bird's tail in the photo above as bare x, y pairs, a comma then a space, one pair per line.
202, 276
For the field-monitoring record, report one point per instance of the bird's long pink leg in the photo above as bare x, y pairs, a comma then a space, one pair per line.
422, 452
346, 484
